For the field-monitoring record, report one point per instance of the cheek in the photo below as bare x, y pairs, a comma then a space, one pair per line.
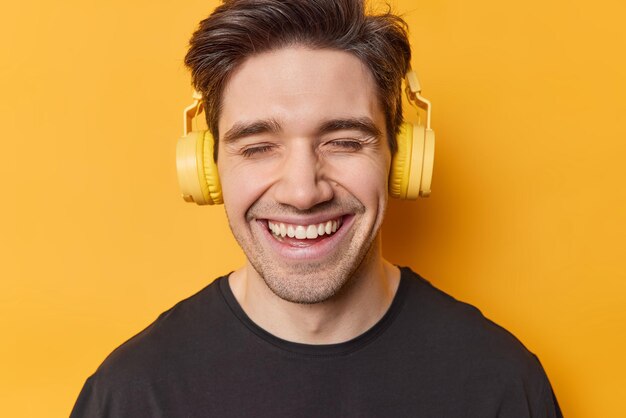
366, 178
241, 187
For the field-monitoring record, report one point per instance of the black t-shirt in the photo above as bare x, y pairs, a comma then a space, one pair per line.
429, 356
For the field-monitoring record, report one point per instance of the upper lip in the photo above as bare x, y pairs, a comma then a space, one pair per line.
308, 220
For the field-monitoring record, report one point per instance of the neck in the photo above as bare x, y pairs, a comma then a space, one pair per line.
346, 315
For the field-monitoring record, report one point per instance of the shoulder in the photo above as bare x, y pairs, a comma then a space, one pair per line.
461, 336
150, 369
170, 340
452, 320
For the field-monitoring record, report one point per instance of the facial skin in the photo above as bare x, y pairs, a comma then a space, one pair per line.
303, 142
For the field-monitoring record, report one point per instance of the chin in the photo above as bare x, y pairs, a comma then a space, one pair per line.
314, 282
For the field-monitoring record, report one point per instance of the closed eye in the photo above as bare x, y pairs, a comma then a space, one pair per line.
347, 144
256, 150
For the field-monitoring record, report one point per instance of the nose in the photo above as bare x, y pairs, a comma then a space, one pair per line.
302, 184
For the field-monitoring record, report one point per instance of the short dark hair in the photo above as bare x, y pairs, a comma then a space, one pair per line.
239, 29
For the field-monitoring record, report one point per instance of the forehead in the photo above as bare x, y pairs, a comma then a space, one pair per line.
300, 88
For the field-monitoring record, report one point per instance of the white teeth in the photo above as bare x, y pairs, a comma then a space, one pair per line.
304, 231
300, 232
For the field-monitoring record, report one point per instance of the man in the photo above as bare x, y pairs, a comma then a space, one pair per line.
303, 98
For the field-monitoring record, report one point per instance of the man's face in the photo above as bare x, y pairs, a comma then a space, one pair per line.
304, 162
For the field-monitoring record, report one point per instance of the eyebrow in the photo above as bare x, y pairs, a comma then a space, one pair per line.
363, 124
242, 129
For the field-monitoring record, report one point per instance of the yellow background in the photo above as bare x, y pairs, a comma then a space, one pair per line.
526, 220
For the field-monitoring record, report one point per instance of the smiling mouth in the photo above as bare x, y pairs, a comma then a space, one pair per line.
282, 231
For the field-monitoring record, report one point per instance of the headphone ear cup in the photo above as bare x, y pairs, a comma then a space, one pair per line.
429, 161
406, 167
211, 174
416, 161
400, 164
197, 172
412, 166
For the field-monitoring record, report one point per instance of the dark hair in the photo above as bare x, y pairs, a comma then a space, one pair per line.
238, 29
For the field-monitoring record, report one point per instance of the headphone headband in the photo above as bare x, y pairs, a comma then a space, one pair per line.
413, 90
191, 112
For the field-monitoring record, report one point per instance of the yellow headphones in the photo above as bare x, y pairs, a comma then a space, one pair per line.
411, 168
